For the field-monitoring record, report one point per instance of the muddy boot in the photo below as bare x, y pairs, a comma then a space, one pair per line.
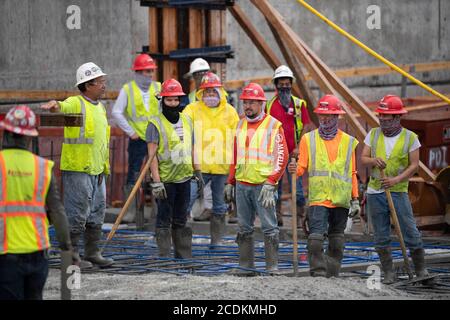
418, 258
204, 216
279, 214
271, 252
335, 253
246, 245
162, 237
300, 216
82, 264
130, 216
217, 228
92, 237
182, 242
386, 265
317, 264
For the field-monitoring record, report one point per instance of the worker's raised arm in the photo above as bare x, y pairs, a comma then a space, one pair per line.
52, 106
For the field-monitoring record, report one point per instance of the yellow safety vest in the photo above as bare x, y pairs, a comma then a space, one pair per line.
192, 96
174, 155
86, 149
255, 163
397, 162
137, 114
25, 180
330, 181
298, 103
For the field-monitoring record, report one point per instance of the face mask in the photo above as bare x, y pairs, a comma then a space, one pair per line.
211, 102
328, 128
284, 94
171, 113
391, 127
142, 81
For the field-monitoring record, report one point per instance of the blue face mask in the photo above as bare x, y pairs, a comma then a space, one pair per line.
328, 128
211, 102
143, 82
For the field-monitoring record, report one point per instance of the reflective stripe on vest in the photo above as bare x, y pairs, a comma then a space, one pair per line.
134, 116
81, 139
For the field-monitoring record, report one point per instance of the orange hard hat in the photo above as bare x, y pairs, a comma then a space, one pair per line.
253, 91
329, 104
171, 88
391, 104
210, 80
143, 62
20, 120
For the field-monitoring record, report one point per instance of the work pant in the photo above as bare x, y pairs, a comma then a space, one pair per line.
23, 276
299, 195
248, 206
323, 220
378, 209
84, 200
172, 212
217, 182
137, 151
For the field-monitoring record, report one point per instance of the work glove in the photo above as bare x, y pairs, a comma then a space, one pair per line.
267, 196
200, 182
158, 190
229, 193
355, 208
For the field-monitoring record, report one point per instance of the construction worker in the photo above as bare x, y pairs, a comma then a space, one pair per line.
328, 154
260, 159
292, 113
214, 123
136, 103
170, 137
395, 150
29, 198
198, 68
85, 164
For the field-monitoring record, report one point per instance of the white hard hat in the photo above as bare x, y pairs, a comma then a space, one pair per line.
198, 65
88, 71
283, 72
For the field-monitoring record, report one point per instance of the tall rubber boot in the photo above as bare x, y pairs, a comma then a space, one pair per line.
92, 237
163, 241
130, 216
279, 214
217, 228
386, 265
182, 242
317, 264
418, 258
335, 253
246, 243
83, 264
271, 252
300, 216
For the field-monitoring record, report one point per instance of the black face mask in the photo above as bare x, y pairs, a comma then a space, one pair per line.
172, 114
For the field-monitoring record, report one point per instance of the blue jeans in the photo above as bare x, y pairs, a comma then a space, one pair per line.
378, 209
137, 151
84, 200
300, 197
217, 186
247, 206
23, 276
323, 220
173, 210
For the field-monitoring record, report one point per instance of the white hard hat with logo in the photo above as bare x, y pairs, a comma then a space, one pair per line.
87, 72
198, 65
283, 72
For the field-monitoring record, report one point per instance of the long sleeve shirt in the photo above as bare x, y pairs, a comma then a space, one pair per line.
280, 155
332, 150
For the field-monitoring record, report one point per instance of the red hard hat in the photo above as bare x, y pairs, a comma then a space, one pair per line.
20, 120
329, 104
171, 88
391, 104
253, 91
210, 80
143, 62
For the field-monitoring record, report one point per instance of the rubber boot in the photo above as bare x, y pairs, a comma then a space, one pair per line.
335, 253
83, 264
217, 228
386, 265
271, 252
317, 264
182, 242
246, 243
300, 216
92, 237
418, 258
162, 238
130, 216
279, 214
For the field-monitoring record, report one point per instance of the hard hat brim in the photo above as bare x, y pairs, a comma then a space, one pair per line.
144, 68
90, 78
24, 132
329, 112
382, 111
